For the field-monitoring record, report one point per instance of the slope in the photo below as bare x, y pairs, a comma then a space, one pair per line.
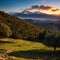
20, 28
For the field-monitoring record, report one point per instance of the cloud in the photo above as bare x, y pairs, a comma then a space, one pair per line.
54, 10
44, 0
45, 7
35, 7
42, 7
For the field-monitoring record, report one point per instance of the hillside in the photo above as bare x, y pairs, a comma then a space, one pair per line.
20, 28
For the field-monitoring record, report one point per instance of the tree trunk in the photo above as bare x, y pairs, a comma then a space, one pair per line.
54, 48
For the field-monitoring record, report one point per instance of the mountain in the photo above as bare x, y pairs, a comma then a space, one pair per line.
27, 14
20, 28
40, 19
30, 12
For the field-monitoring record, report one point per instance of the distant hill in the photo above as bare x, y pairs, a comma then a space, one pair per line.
36, 15
20, 28
39, 19
45, 23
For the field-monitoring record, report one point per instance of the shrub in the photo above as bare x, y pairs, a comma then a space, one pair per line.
5, 30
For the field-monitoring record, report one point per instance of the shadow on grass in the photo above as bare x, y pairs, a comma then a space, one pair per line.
37, 54
1, 42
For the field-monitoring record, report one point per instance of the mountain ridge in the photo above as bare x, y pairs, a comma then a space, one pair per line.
36, 14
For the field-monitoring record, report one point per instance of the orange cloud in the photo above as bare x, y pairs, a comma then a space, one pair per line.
44, 9
54, 10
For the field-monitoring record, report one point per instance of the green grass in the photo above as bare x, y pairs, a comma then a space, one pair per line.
18, 49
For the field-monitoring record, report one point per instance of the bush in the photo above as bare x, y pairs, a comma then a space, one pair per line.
53, 38
5, 30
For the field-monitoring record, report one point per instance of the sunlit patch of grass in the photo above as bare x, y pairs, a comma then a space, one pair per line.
22, 45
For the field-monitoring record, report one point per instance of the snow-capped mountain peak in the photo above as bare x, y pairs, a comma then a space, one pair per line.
30, 12
26, 12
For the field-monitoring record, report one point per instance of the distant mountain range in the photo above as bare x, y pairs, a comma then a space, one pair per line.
35, 15
39, 18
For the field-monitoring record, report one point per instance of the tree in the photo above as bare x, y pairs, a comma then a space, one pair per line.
42, 35
53, 38
5, 30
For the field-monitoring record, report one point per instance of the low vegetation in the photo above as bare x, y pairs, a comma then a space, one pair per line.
5, 30
18, 49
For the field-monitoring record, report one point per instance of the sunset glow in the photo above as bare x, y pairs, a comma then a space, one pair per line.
20, 5
45, 9
50, 12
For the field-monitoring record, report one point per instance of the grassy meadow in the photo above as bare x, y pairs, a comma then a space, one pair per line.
17, 49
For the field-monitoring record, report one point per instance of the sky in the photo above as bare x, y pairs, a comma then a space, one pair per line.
19, 5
